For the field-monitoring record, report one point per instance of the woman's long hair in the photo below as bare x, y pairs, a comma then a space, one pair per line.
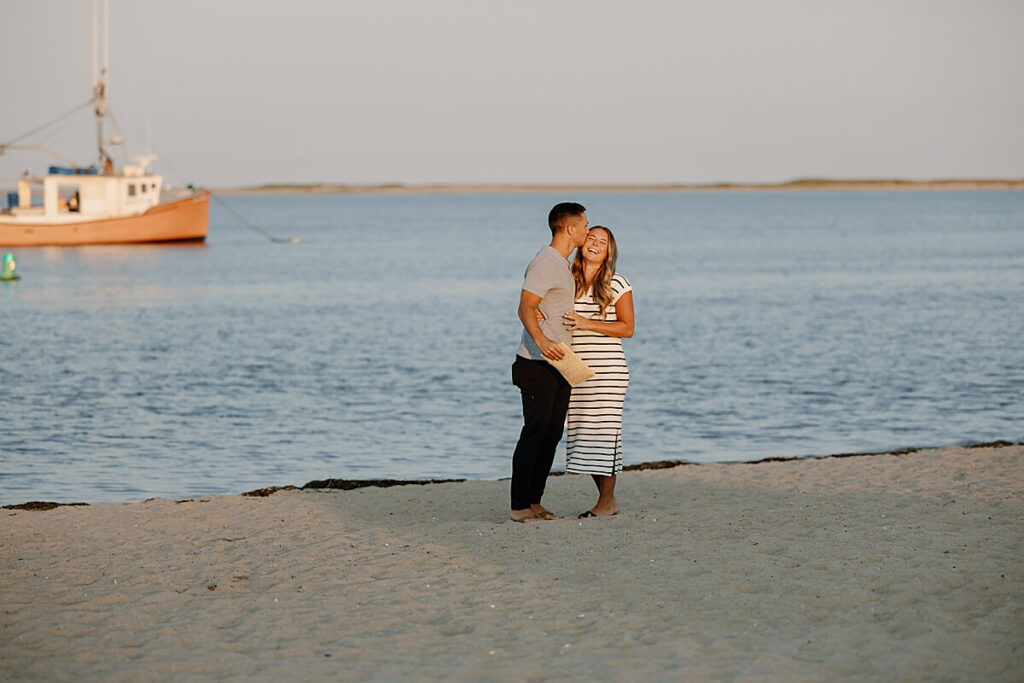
602, 283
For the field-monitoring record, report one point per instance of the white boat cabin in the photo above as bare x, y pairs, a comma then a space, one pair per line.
69, 197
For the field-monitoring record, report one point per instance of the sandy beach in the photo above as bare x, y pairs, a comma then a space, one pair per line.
883, 567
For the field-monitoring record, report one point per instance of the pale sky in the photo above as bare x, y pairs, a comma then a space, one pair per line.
244, 92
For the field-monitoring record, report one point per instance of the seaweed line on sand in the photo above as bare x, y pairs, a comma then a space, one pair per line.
350, 484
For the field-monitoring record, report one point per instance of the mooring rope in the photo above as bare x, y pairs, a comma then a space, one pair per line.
291, 239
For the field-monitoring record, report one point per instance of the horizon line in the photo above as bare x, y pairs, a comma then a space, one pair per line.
457, 187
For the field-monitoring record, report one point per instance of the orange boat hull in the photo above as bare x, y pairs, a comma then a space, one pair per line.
184, 219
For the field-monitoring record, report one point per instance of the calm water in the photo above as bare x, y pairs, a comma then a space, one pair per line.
768, 324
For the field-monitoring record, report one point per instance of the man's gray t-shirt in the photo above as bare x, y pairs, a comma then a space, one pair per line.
548, 276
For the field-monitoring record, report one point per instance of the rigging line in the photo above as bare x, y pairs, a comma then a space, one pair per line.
252, 226
113, 122
128, 153
45, 150
47, 125
56, 129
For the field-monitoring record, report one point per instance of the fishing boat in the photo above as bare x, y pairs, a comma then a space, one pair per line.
100, 203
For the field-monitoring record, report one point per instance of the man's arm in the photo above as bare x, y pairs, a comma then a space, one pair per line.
528, 310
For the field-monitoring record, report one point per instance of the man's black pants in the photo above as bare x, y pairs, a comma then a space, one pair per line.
545, 403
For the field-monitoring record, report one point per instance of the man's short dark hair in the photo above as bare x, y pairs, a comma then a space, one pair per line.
558, 218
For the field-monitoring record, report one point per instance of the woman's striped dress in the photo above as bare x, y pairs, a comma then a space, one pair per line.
595, 407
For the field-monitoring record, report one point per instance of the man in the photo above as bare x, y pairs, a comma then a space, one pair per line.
549, 288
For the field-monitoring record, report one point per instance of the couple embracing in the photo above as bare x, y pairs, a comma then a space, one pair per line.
588, 307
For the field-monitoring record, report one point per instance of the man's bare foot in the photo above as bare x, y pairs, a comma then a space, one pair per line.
524, 515
541, 512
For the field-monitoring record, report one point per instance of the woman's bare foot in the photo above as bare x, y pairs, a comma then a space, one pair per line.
606, 506
599, 512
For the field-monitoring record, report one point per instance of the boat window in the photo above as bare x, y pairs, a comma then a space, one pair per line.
131, 190
144, 188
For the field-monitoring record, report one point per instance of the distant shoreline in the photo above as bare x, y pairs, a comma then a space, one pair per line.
511, 188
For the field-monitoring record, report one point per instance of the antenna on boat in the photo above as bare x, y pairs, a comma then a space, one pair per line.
100, 77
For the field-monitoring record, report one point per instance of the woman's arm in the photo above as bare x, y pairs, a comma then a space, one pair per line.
623, 327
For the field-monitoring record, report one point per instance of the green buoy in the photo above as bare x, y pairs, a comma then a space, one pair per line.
10, 268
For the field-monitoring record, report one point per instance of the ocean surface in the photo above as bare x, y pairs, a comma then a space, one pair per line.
380, 346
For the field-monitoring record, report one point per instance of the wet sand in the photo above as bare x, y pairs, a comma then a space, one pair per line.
883, 567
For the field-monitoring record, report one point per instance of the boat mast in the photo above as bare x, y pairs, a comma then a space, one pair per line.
100, 75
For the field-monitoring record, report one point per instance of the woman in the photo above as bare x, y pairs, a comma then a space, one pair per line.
603, 316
